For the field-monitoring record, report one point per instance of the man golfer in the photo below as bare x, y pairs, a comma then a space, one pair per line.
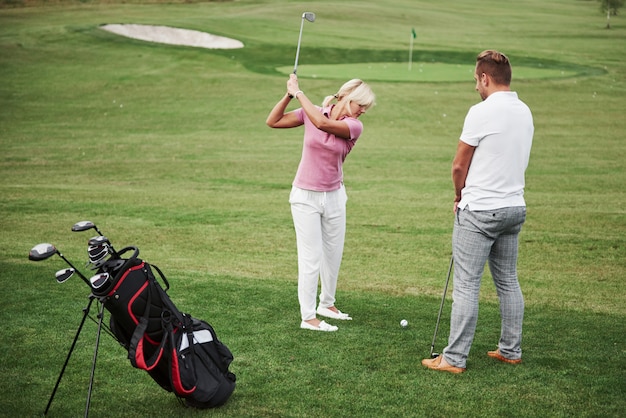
488, 175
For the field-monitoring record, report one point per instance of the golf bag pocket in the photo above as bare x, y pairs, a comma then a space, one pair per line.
199, 364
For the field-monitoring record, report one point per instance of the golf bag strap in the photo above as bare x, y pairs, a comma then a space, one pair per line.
181, 388
167, 284
136, 353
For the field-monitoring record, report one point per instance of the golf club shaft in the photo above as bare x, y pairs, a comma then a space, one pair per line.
443, 298
295, 66
86, 225
110, 245
75, 269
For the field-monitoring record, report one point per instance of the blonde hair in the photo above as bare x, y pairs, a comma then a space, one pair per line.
354, 90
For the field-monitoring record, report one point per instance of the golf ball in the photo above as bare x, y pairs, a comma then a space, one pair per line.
404, 323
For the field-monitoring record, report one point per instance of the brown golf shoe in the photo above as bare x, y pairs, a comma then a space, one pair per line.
440, 364
496, 354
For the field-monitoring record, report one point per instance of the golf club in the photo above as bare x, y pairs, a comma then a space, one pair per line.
96, 253
443, 298
99, 280
310, 16
87, 225
64, 274
44, 251
99, 249
99, 240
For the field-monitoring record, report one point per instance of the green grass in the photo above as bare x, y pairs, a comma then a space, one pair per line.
165, 148
418, 72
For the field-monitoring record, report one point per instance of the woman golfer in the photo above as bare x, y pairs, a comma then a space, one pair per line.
318, 196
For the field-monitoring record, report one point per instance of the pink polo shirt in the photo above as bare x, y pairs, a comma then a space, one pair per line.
323, 154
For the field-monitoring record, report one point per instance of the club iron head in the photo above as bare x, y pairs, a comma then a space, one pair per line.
42, 252
99, 280
64, 274
99, 240
98, 253
310, 16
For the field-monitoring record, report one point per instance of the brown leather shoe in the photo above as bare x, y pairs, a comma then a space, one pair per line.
439, 363
496, 354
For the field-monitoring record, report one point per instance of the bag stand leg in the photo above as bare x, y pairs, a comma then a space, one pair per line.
69, 354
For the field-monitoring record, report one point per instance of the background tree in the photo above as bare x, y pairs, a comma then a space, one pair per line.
610, 7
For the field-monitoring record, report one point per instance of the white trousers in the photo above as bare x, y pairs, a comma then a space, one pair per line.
319, 219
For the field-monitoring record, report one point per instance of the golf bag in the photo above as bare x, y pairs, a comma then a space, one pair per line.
181, 353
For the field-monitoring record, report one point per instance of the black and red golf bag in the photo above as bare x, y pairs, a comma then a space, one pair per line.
181, 353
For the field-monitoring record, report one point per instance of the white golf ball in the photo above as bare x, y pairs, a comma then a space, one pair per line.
404, 323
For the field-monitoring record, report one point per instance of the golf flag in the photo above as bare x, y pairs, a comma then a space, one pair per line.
413, 36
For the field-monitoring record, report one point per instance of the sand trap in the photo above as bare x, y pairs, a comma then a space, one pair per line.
173, 36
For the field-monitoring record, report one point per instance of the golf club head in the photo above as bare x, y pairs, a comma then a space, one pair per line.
83, 226
434, 355
99, 240
99, 280
64, 274
42, 252
310, 16
97, 253
98, 250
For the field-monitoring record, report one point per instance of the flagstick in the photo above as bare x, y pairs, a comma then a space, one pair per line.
411, 51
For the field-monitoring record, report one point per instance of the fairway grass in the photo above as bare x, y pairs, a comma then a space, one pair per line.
166, 148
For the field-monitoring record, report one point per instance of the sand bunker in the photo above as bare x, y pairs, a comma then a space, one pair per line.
173, 36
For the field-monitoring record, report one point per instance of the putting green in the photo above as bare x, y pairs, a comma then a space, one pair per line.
418, 72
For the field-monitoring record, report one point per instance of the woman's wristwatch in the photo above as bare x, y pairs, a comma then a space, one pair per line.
295, 95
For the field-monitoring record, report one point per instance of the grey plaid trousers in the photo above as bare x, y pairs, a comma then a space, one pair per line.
481, 237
